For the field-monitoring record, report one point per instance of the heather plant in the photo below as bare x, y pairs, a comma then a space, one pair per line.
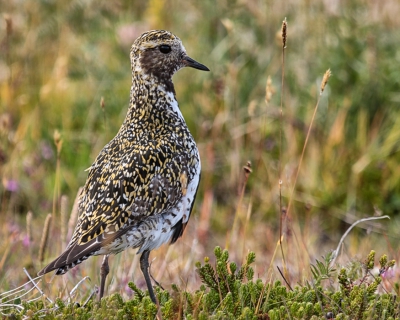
231, 291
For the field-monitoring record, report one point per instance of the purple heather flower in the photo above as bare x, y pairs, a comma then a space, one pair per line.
26, 242
11, 185
388, 274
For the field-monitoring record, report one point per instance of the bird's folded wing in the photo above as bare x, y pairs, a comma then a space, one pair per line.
128, 186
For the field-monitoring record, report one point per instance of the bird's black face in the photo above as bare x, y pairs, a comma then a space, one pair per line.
161, 54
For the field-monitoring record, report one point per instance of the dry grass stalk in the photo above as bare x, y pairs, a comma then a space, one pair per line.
103, 108
284, 39
268, 278
36, 286
29, 217
246, 171
288, 216
45, 236
64, 219
323, 84
249, 210
74, 214
336, 252
58, 142
5, 255
205, 213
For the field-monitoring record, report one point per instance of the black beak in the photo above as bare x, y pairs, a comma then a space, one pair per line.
189, 62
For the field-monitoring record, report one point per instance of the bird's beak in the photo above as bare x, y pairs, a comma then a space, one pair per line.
189, 62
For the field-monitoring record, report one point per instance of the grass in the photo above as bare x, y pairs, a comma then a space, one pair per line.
64, 68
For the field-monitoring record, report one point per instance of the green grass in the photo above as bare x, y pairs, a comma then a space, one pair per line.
58, 60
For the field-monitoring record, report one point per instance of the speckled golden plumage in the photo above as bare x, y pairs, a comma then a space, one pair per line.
140, 190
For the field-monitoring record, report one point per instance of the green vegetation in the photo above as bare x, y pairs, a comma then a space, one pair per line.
232, 292
64, 90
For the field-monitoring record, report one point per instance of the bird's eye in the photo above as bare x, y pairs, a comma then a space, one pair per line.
164, 48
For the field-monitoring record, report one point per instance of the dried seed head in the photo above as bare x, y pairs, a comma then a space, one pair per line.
29, 217
269, 90
251, 109
102, 104
56, 136
74, 214
64, 219
247, 168
57, 140
284, 35
325, 80
45, 236
228, 24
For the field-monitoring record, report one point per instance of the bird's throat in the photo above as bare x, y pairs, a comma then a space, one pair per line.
152, 104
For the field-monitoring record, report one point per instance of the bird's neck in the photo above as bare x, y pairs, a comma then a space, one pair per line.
152, 102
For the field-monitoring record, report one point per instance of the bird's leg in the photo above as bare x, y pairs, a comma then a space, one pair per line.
144, 266
104, 270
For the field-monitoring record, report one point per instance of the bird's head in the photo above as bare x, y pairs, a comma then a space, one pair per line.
160, 53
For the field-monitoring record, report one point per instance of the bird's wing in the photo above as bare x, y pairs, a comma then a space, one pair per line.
129, 183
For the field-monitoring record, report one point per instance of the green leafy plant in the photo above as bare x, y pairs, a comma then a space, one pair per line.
322, 270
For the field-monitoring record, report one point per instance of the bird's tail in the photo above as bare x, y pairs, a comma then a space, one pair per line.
72, 256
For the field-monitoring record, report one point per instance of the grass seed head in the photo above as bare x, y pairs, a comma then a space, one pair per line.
269, 90
45, 236
284, 35
325, 79
29, 217
57, 140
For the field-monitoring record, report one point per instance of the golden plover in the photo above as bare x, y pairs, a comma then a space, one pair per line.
141, 188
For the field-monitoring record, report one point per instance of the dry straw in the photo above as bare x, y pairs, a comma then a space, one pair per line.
284, 40
74, 214
58, 142
323, 85
45, 237
103, 108
64, 220
246, 173
5, 255
29, 217
269, 90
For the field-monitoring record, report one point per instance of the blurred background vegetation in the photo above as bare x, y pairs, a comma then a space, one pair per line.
64, 67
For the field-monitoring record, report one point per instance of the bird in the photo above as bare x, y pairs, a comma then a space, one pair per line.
141, 188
